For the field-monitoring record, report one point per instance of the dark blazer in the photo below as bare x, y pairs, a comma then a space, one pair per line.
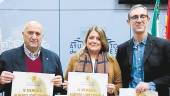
1, 66
14, 61
156, 63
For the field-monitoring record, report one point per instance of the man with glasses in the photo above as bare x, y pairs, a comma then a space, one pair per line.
144, 60
30, 57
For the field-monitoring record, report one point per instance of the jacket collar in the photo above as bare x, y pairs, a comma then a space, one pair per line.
148, 48
20, 57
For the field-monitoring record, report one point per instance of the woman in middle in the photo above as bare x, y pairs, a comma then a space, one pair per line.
94, 58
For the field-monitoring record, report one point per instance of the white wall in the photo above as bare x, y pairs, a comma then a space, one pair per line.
66, 21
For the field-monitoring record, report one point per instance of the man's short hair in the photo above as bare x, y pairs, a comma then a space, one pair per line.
134, 7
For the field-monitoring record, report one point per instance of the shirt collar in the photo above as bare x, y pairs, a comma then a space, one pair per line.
31, 55
142, 42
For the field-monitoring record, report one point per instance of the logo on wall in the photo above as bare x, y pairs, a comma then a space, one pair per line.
76, 44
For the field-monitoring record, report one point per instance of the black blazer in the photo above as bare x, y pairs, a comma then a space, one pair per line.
14, 61
1, 66
156, 63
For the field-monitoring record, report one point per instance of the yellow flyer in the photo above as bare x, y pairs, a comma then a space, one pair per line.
132, 92
87, 84
32, 84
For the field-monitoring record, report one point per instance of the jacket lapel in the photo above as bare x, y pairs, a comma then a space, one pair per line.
45, 61
20, 57
130, 51
148, 48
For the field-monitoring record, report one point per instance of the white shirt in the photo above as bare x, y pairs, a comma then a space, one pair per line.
31, 55
93, 63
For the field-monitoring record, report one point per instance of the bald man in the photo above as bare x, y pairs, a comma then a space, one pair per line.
31, 57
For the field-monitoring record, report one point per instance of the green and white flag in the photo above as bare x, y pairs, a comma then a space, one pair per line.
155, 20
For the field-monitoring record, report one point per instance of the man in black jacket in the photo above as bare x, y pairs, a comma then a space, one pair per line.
144, 60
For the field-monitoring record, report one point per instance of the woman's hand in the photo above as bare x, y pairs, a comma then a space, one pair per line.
65, 84
111, 88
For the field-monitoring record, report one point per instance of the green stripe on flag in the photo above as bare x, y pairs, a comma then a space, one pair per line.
155, 19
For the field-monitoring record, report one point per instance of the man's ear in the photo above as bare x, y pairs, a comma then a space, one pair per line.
22, 33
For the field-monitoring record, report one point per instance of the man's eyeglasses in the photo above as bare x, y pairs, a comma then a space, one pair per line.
136, 17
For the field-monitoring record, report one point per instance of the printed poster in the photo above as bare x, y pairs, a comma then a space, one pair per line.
87, 84
32, 84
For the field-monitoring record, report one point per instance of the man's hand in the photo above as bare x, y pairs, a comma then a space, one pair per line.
142, 86
6, 77
57, 81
